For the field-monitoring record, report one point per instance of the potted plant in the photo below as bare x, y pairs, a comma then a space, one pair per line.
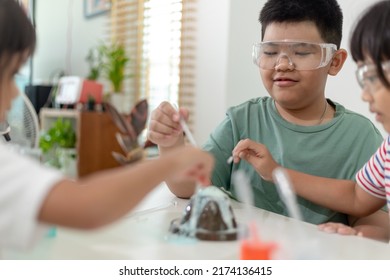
114, 63
58, 145
110, 62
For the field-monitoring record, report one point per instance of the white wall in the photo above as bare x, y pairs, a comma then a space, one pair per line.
64, 38
211, 65
226, 76
225, 73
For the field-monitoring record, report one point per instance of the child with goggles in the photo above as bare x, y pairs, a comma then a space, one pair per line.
369, 45
300, 127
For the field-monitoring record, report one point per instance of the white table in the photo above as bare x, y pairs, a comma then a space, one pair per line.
144, 235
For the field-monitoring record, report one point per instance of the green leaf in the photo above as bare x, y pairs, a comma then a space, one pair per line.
61, 134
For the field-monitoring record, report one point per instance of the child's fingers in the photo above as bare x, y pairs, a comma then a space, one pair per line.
337, 228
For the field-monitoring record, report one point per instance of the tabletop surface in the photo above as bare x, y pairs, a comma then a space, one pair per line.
143, 235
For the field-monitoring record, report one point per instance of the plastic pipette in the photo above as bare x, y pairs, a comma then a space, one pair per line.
286, 192
252, 248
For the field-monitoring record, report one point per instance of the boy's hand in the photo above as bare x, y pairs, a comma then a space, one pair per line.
164, 126
257, 155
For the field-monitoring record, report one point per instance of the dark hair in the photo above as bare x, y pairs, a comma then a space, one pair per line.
326, 14
17, 33
371, 37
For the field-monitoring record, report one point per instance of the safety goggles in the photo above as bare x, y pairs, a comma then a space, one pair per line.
300, 55
367, 76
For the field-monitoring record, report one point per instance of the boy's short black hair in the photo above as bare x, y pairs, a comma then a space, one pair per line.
326, 14
17, 33
371, 37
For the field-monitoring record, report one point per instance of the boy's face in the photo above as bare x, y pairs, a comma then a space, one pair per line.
8, 88
374, 92
289, 87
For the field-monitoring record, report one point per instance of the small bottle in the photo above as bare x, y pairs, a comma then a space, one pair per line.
256, 250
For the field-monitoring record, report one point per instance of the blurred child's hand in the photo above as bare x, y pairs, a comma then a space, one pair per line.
257, 155
193, 164
164, 126
338, 228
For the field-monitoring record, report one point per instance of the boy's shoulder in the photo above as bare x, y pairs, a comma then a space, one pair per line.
348, 113
353, 118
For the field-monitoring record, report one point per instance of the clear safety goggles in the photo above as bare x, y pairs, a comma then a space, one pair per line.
300, 55
367, 76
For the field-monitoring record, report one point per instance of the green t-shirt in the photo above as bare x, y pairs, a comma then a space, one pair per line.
337, 149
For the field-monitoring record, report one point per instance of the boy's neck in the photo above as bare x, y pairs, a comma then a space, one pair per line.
319, 116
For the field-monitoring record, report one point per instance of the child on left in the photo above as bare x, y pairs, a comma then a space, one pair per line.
32, 195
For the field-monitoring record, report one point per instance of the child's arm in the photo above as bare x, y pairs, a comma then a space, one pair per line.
106, 196
343, 196
375, 226
165, 131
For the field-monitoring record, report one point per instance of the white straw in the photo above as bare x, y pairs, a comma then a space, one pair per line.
190, 138
153, 209
187, 131
185, 128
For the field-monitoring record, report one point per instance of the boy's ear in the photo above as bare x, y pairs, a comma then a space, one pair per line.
337, 62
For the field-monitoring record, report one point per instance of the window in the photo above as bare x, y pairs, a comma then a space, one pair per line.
159, 38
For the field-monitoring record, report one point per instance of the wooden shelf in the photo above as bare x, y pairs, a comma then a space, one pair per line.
95, 133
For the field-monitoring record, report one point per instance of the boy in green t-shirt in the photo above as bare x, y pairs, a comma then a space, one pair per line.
371, 189
303, 130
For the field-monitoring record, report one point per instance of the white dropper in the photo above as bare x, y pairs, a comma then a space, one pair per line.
303, 246
245, 195
189, 136
286, 192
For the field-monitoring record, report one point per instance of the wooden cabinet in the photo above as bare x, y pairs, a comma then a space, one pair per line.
96, 142
95, 134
